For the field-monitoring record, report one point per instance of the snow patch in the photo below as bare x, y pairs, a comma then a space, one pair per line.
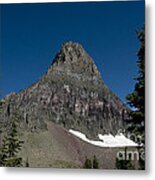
106, 140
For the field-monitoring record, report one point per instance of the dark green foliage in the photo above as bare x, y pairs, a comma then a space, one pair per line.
91, 164
141, 158
95, 163
27, 163
137, 98
141, 164
124, 163
87, 164
11, 146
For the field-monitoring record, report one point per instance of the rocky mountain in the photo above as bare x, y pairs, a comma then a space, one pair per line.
71, 94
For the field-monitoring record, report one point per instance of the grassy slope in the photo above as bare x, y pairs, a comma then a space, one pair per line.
56, 147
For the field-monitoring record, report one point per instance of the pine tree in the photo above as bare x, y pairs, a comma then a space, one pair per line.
91, 163
11, 146
27, 163
95, 163
87, 164
137, 98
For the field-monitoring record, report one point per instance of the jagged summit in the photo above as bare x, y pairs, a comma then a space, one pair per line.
72, 46
70, 51
73, 60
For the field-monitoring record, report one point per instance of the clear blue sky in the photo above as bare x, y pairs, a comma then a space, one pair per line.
31, 35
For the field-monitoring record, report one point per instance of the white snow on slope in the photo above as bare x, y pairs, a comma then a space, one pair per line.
106, 140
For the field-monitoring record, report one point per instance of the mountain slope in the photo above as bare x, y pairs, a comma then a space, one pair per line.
58, 148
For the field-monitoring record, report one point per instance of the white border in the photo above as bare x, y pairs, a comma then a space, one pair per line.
40, 174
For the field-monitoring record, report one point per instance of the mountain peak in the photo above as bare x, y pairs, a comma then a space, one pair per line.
73, 58
73, 47
71, 52
70, 44
71, 94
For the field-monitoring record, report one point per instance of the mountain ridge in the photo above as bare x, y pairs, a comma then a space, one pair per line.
72, 94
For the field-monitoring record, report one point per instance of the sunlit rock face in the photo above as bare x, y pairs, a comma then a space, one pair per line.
72, 94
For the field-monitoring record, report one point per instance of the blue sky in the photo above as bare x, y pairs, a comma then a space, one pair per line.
32, 34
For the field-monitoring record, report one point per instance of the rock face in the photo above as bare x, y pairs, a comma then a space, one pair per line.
71, 94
